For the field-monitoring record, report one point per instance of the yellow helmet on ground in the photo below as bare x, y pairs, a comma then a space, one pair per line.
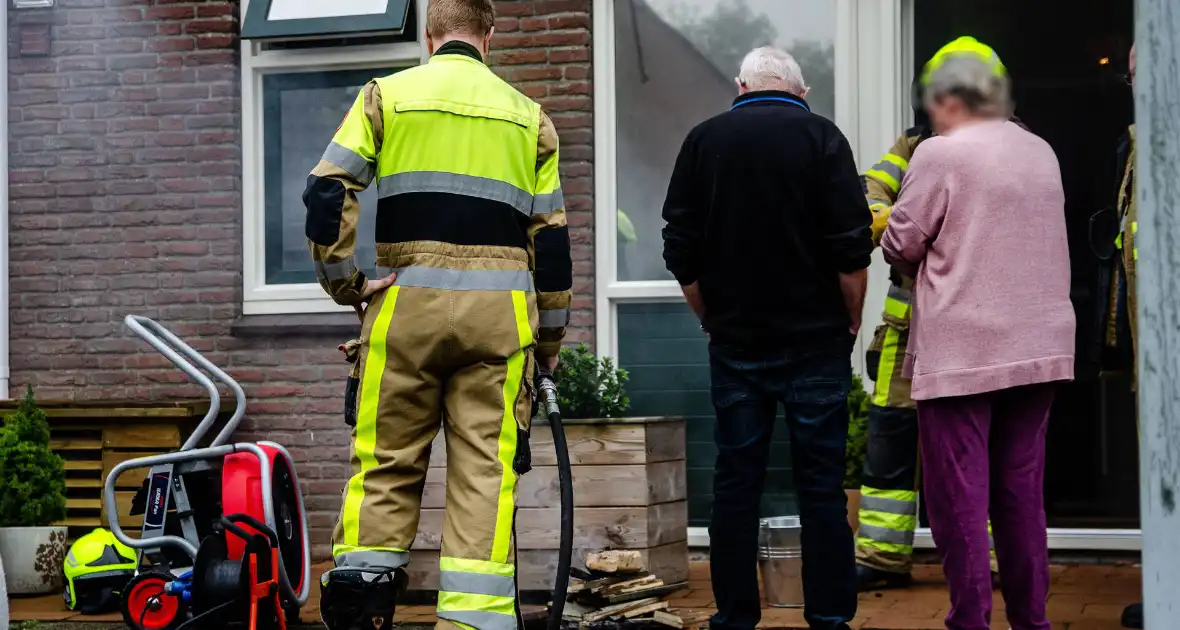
96, 569
964, 46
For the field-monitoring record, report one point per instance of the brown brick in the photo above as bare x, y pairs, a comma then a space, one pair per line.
569, 55
210, 26
217, 40
172, 44
572, 20
216, 10
576, 88
534, 74
514, 8
171, 12
534, 24
510, 57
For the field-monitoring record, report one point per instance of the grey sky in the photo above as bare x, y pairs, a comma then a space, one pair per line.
794, 19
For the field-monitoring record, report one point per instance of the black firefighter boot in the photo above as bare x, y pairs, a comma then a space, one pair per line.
360, 598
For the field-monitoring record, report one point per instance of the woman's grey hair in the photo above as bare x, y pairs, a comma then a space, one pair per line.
770, 68
973, 81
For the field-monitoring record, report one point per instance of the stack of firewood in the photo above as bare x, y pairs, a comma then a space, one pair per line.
617, 592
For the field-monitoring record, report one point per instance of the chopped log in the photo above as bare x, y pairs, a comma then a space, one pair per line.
617, 609
595, 585
658, 591
693, 618
633, 589
615, 561
667, 618
643, 610
630, 585
574, 611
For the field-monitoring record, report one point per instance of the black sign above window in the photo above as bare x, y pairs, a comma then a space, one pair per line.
288, 19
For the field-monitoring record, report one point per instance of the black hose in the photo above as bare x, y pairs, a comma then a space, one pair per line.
566, 482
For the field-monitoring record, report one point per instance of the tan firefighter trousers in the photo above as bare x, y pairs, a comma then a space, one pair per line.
450, 345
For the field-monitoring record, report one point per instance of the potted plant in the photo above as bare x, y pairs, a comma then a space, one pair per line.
856, 448
33, 498
589, 387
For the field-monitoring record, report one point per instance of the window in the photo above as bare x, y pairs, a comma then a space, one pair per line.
297, 84
675, 63
300, 109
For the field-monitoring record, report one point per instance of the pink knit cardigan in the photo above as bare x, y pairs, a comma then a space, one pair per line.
981, 220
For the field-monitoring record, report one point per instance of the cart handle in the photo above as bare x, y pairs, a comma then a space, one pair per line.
180, 353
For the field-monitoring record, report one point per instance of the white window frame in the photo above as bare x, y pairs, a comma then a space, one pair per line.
258, 297
609, 291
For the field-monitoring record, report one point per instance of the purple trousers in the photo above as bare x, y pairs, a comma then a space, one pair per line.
980, 451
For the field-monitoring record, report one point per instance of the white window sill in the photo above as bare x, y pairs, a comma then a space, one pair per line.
337, 325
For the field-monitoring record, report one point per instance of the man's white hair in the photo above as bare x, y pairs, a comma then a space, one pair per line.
973, 81
770, 68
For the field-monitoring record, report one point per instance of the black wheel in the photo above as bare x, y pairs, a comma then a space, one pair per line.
146, 605
288, 522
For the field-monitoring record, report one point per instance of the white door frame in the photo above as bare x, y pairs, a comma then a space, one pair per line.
5, 222
874, 68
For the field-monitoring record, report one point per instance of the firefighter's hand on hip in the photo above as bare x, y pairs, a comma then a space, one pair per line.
371, 289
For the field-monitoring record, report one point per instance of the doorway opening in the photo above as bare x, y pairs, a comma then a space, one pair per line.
1068, 62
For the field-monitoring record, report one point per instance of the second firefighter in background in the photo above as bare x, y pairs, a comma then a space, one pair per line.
889, 497
474, 254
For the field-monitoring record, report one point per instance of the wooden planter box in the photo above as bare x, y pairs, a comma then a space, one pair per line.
93, 438
630, 492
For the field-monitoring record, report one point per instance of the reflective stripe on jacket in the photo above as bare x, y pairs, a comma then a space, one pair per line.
882, 183
460, 157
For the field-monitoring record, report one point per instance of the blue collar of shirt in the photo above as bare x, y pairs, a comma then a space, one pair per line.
768, 97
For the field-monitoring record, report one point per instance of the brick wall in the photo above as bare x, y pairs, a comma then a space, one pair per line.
125, 188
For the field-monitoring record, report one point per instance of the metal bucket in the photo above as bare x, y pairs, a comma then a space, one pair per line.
780, 560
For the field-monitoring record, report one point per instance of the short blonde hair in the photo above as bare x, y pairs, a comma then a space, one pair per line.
460, 17
973, 81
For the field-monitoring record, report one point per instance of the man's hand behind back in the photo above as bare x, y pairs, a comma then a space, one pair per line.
853, 287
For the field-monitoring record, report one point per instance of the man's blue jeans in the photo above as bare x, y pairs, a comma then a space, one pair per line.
813, 387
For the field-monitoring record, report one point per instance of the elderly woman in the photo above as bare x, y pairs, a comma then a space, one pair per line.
981, 224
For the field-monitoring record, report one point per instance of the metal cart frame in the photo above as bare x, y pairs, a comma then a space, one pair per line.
166, 474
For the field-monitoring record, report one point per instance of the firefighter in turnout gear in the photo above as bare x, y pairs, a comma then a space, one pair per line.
475, 276
889, 497
1114, 232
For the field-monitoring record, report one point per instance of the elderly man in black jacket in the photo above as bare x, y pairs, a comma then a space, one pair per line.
768, 234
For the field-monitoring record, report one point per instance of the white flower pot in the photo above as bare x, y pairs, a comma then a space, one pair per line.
33, 559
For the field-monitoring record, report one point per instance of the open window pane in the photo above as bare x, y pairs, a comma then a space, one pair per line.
268, 19
300, 116
675, 61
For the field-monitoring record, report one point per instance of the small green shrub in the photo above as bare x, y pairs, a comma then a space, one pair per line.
858, 438
33, 477
589, 387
